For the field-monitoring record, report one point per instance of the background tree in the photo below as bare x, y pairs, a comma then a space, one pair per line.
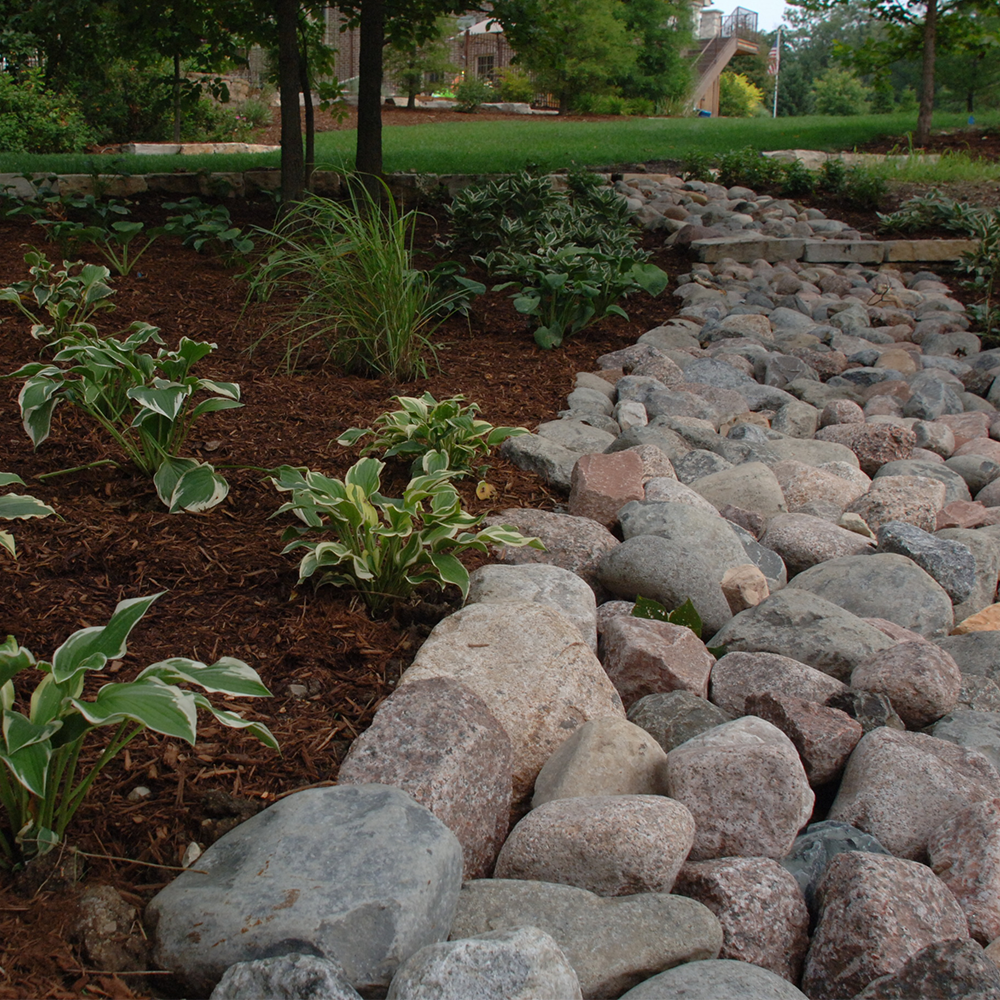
662, 31
409, 62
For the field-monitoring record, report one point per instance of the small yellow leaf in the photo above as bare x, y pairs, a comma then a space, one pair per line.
486, 491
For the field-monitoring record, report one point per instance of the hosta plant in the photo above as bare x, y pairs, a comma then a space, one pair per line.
16, 505
423, 425
42, 780
145, 402
69, 297
384, 548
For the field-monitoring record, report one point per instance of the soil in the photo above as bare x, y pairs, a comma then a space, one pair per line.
227, 588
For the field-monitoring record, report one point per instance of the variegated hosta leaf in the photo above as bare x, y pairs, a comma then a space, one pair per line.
161, 707
85, 648
17, 505
19, 732
7, 543
226, 676
10, 479
29, 766
185, 484
234, 721
504, 534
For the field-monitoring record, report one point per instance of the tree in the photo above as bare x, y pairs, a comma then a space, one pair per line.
840, 92
662, 32
409, 61
914, 26
572, 47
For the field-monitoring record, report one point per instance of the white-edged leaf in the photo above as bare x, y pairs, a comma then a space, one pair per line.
29, 766
20, 732
7, 543
161, 707
108, 641
185, 484
226, 676
10, 479
167, 401
451, 570
17, 505
234, 721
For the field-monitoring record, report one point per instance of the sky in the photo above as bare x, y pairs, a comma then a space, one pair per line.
769, 12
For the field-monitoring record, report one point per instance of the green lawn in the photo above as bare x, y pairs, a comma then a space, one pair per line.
465, 146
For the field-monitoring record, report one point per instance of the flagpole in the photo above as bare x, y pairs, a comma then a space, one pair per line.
777, 73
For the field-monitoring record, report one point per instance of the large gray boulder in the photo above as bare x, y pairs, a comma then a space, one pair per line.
612, 943
713, 980
285, 977
884, 585
798, 624
360, 874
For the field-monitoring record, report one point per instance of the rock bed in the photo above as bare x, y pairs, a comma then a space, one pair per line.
809, 453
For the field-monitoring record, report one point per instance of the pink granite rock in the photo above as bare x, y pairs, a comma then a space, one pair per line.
955, 968
738, 675
824, 737
841, 411
803, 484
984, 446
802, 541
439, 743
961, 514
967, 426
611, 845
602, 484
603, 757
533, 670
964, 852
760, 906
642, 656
921, 680
914, 499
574, 543
875, 911
874, 444
746, 789
901, 786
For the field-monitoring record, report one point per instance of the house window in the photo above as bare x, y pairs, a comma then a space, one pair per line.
485, 67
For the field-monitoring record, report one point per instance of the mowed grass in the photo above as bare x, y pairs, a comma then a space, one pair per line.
471, 147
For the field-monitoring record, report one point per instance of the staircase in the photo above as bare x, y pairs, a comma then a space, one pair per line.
737, 33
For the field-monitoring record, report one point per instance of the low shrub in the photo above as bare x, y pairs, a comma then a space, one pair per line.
515, 85
473, 92
738, 97
34, 120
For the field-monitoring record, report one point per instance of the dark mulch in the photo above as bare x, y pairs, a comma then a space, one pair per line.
228, 590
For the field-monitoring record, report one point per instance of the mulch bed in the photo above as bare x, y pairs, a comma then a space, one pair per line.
228, 590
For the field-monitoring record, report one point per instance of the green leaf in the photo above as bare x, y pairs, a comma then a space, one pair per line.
161, 707
451, 570
7, 543
214, 406
168, 401
365, 473
687, 616
549, 337
650, 278
19, 732
10, 479
718, 651
13, 659
527, 304
30, 766
107, 642
14, 505
352, 435
646, 607
226, 676
185, 484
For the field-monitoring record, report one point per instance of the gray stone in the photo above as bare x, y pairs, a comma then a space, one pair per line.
802, 541
669, 571
809, 451
751, 485
984, 546
815, 846
976, 470
698, 463
931, 397
575, 435
977, 730
549, 460
612, 943
883, 585
674, 717
357, 873
978, 694
558, 588
976, 653
949, 563
796, 419
807, 628
656, 432
713, 980
765, 559
285, 977
521, 963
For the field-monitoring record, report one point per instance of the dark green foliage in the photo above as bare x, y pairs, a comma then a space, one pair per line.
750, 168
36, 120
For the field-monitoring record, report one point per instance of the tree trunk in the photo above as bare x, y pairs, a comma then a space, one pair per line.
292, 162
368, 157
306, 86
926, 112
177, 97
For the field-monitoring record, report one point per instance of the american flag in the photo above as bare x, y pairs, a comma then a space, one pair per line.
773, 61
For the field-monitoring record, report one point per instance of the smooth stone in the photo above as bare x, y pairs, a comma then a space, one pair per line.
975, 730
751, 485
714, 980
673, 717
611, 845
913, 499
285, 977
882, 585
710, 774
807, 628
574, 435
900, 787
984, 547
955, 487
551, 461
603, 757
553, 586
803, 541
950, 563
612, 943
522, 963
670, 490
975, 653
383, 863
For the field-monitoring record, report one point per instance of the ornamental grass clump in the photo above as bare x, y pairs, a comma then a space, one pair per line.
384, 548
422, 425
357, 298
43, 781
